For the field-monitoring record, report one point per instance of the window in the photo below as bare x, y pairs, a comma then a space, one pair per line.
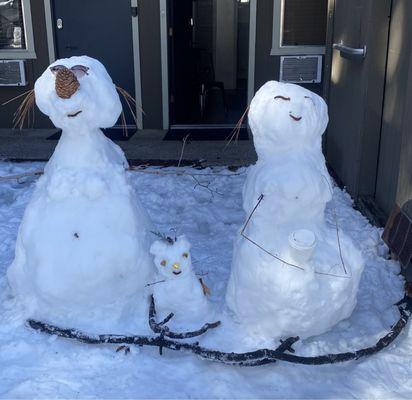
299, 27
16, 35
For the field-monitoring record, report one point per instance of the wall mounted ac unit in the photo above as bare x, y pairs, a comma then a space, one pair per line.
301, 69
12, 73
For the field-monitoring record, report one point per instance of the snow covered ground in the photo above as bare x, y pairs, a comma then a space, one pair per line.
33, 365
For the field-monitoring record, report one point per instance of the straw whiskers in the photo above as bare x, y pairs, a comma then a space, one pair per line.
131, 104
234, 135
25, 110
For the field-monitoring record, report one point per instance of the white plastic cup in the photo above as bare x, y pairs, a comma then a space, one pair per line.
302, 243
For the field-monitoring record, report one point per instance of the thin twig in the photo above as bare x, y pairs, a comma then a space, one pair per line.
183, 149
205, 186
155, 283
236, 131
132, 169
19, 176
164, 330
158, 172
336, 225
284, 262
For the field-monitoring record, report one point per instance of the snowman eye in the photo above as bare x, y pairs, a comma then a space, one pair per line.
310, 98
80, 70
282, 98
163, 263
185, 255
56, 68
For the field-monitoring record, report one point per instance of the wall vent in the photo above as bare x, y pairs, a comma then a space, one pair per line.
301, 69
12, 73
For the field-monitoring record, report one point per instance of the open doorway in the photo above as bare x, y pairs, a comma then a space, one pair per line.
208, 58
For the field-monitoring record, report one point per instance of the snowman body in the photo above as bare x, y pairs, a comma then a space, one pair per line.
178, 290
278, 287
82, 252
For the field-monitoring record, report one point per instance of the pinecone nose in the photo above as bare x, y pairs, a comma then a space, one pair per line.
66, 83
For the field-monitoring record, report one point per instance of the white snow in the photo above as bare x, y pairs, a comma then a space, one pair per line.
177, 289
82, 253
34, 365
296, 293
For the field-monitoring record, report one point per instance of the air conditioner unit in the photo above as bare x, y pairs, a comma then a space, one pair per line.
12, 73
301, 69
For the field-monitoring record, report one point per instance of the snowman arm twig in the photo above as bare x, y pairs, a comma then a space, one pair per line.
164, 330
167, 319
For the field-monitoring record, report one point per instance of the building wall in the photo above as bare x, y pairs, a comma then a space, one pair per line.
33, 68
404, 186
267, 67
150, 62
149, 31
394, 168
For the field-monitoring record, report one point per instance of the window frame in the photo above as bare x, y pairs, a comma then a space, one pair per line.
29, 51
277, 48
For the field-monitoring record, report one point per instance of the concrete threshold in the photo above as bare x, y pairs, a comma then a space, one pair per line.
144, 147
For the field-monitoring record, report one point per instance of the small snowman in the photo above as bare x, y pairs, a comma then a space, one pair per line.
82, 251
293, 272
177, 289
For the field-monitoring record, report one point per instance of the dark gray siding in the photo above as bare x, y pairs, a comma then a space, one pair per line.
377, 39
267, 67
150, 62
396, 127
149, 31
404, 189
34, 69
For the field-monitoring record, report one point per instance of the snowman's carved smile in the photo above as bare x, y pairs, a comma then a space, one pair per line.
177, 272
75, 114
294, 117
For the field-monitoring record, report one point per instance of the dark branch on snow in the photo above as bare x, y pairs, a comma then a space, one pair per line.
253, 358
166, 332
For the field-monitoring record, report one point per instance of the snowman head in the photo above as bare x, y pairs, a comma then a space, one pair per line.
172, 257
283, 116
78, 94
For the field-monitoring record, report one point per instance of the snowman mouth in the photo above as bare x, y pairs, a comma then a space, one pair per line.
177, 272
75, 114
294, 117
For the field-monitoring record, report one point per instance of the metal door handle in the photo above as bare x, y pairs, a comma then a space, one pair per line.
350, 52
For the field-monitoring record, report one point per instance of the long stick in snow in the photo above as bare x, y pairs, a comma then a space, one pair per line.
250, 359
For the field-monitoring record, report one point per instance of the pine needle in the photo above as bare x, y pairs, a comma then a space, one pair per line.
234, 135
24, 111
17, 97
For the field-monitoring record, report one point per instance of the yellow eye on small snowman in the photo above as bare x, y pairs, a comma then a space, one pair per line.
163, 263
185, 255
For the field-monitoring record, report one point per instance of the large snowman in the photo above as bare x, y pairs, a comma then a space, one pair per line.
82, 251
293, 272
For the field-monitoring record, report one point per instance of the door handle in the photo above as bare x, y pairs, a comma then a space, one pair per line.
350, 53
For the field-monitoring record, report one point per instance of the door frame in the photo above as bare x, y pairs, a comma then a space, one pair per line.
165, 57
136, 53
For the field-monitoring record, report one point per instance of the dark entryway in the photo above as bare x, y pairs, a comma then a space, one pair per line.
101, 29
208, 61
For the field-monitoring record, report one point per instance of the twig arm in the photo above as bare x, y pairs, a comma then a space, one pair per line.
165, 331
